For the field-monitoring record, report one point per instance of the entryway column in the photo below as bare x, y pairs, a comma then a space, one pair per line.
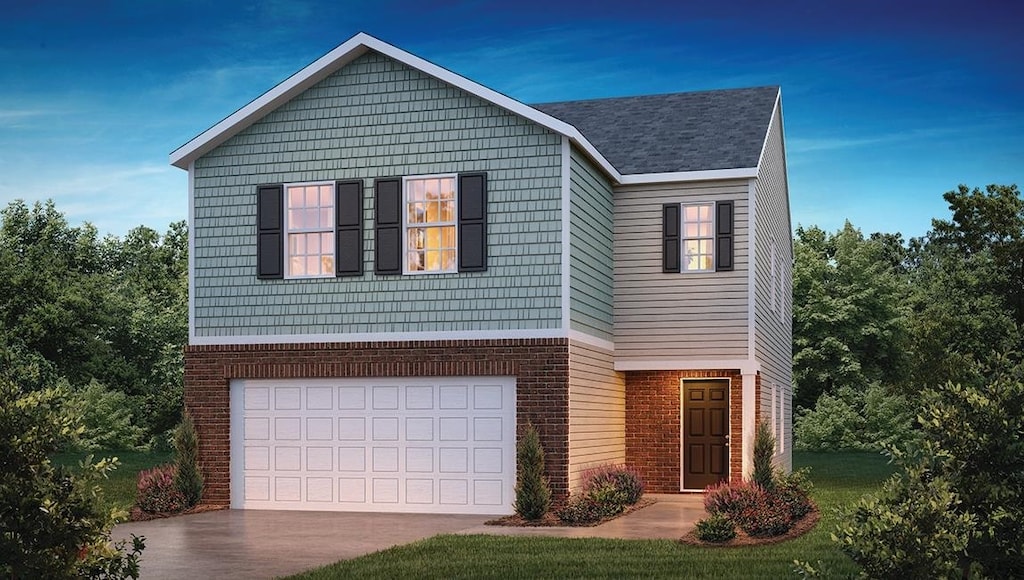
749, 421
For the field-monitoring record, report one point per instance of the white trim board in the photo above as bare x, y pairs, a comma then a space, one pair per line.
402, 337
566, 237
742, 365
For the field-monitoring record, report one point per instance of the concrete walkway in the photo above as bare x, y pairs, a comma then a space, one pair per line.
267, 544
670, 518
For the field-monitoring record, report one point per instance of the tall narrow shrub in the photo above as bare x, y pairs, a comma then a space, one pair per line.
764, 455
188, 479
533, 496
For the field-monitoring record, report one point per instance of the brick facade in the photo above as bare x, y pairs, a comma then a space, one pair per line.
540, 366
653, 424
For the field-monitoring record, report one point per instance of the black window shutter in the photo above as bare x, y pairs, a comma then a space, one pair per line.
472, 222
348, 228
388, 226
269, 232
724, 234
670, 243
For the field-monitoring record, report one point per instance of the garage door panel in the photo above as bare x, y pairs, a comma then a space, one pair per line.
416, 445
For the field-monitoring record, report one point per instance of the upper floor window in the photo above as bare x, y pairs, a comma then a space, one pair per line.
430, 224
698, 237
310, 230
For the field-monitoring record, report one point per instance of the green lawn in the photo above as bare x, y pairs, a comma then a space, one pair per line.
118, 491
839, 480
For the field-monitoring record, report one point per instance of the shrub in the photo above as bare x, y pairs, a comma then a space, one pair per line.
533, 496
715, 529
616, 484
731, 499
794, 492
867, 419
764, 455
106, 418
188, 480
156, 491
765, 517
581, 509
50, 517
956, 507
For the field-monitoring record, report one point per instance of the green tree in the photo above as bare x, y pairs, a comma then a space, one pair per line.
956, 508
51, 525
849, 322
533, 496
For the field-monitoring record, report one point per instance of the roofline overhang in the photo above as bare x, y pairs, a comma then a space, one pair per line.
345, 53
682, 176
360, 44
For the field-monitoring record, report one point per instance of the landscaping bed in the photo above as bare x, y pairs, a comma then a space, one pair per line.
550, 519
799, 528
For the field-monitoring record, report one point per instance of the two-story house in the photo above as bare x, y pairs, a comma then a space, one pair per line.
393, 269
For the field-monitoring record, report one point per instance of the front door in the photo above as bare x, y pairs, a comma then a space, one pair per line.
705, 427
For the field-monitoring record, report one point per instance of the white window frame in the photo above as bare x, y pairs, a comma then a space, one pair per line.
288, 231
406, 226
710, 238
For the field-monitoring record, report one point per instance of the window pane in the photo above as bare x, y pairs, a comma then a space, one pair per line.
448, 211
416, 211
430, 188
433, 260
706, 263
327, 217
691, 213
705, 213
312, 217
415, 261
326, 264
295, 266
448, 237
327, 243
691, 230
447, 188
311, 196
415, 190
449, 259
313, 243
312, 265
294, 196
294, 219
325, 196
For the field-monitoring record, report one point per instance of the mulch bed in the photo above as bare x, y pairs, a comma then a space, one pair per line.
137, 515
551, 520
800, 528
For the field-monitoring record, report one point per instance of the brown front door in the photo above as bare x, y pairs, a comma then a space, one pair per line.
705, 425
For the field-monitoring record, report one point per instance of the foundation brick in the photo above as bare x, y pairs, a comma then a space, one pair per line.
541, 368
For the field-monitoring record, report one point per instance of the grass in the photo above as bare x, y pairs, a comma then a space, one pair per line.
839, 480
118, 490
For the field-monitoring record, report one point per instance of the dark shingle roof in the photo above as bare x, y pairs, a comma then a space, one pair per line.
676, 132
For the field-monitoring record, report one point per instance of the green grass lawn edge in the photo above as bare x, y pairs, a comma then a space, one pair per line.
839, 479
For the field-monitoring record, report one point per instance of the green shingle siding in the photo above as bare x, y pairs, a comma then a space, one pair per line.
378, 118
590, 260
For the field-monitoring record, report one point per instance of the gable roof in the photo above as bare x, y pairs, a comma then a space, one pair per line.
634, 130
679, 132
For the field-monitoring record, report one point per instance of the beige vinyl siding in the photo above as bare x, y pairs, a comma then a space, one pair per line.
597, 410
590, 258
695, 315
774, 330
373, 118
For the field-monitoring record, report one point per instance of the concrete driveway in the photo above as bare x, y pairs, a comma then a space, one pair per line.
267, 544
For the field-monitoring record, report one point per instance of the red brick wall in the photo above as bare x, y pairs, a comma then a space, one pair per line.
541, 368
652, 425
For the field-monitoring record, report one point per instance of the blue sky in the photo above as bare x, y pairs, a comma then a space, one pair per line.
887, 104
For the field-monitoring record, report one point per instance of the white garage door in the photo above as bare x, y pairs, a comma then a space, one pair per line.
438, 445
